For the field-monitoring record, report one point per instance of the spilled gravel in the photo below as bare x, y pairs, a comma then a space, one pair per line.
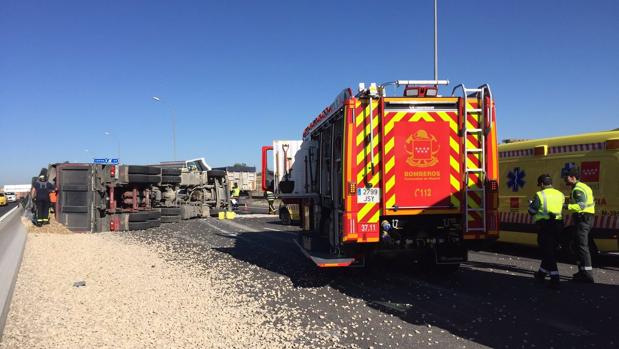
133, 297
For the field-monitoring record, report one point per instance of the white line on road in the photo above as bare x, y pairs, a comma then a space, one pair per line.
219, 229
257, 215
8, 213
271, 229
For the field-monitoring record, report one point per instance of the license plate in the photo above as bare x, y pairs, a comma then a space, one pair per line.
368, 195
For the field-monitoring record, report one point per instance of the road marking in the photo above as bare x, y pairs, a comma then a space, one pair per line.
8, 213
257, 215
225, 232
271, 229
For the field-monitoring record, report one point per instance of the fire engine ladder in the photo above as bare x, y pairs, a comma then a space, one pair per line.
485, 124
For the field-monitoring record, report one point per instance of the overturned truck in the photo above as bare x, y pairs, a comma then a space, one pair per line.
106, 197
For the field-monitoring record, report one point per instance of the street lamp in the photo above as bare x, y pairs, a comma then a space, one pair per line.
159, 99
108, 133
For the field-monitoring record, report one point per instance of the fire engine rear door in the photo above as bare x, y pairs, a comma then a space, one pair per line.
421, 152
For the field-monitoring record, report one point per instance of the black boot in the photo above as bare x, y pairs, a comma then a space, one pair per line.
554, 283
539, 276
583, 277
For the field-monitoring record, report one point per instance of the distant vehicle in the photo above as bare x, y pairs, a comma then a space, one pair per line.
243, 176
2, 199
10, 197
596, 155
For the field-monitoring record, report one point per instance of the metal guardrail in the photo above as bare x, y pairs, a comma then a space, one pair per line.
12, 243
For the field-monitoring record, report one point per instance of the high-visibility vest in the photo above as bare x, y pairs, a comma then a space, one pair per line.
236, 192
589, 205
551, 201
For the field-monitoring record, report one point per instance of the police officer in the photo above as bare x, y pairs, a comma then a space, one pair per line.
236, 194
582, 207
40, 193
270, 196
546, 209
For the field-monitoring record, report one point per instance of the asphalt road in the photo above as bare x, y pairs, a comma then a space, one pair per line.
7, 208
492, 301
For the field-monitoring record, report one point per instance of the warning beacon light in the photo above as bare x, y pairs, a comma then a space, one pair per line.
420, 91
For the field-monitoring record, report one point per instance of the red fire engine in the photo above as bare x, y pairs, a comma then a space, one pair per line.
377, 173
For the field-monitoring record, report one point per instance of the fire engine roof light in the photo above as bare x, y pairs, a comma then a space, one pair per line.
411, 92
431, 92
416, 82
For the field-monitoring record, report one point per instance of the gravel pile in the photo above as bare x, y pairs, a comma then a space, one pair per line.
109, 290
52, 228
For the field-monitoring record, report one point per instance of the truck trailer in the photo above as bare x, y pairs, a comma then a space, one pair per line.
111, 197
414, 173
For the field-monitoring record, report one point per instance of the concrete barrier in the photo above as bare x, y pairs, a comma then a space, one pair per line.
12, 243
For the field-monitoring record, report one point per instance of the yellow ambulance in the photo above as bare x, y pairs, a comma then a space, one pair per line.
596, 155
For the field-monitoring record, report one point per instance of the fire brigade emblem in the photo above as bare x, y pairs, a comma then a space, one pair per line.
422, 149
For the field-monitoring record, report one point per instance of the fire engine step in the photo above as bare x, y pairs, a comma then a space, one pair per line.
324, 260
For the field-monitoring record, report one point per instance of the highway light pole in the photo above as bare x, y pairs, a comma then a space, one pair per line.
159, 99
108, 133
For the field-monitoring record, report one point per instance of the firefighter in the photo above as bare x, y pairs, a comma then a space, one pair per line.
236, 194
40, 194
582, 207
546, 210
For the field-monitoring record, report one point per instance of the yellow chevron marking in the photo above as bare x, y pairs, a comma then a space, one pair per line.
390, 183
362, 154
397, 117
470, 106
455, 201
452, 124
366, 112
364, 211
374, 180
455, 183
470, 144
389, 145
454, 145
470, 164
454, 164
374, 218
473, 204
390, 201
421, 115
389, 164
361, 116
368, 167
362, 135
473, 180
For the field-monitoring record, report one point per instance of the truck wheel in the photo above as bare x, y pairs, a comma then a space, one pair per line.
170, 179
170, 171
284, 216
144, 179
170, 219
170, 211
216, 173
143, 216
147, 170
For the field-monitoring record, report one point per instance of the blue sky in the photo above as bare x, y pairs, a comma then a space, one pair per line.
241, 73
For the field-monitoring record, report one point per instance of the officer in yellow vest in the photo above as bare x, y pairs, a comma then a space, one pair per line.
582, 207
546, 209
236, 195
